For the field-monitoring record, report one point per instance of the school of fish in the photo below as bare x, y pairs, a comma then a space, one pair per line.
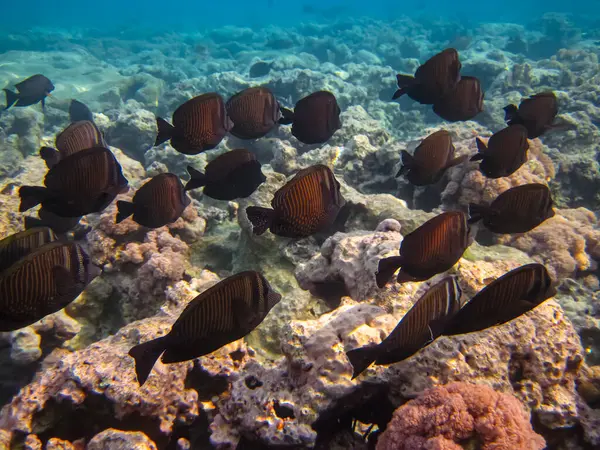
42, 271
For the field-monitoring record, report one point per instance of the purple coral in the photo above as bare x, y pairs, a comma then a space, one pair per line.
460, 412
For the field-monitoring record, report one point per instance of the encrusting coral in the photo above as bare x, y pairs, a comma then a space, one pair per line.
452, 416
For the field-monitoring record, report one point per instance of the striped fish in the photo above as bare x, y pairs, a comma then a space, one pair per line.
307, 204
464, 102
235, 174
504, 299
199, 124
42, 283
421, 325
438, 76
220, 315
432, 248
315, 118
19, 245
157, 203
433, 156
505, 153
536, 113
517, 210
83, 183
254, 112
76, 137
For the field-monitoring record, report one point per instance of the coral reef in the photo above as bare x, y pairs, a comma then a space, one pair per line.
446, 417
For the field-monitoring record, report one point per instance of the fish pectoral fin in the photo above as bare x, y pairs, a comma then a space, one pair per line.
481, 147
243, 315
65, 284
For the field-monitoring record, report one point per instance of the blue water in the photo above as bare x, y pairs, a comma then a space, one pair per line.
132, 61
112, 15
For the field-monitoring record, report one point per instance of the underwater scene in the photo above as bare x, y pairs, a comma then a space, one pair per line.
300, 225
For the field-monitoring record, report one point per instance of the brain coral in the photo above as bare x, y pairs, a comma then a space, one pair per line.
445, 417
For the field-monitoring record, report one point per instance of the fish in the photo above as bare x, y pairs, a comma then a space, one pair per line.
19, 245
222, 314
517, 210
58, 224
42, 283
308, 203
260, 69
536, 113
157, 203
199, 124
235, 174
254, 112
78, 112
76, 137
33, 90
83, 183
315, 118
505, 152
432, 248
504, 299
431, 159
419, 327
464, 102
434, 79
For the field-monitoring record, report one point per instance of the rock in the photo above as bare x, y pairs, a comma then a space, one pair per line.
112, 439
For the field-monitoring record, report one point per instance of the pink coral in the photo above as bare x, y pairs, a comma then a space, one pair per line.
446, 415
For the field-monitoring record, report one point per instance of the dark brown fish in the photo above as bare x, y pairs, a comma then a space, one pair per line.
199, 124
517, 210
157, 203
254, 112
30, 91
42, 283
421, 325
19, 245
235, 174
504, 299
505, 153
464, 102
432, 248
220, 315
433, 156
83, 183
536, 113
307, 204
76, 137
315, 118
433, 80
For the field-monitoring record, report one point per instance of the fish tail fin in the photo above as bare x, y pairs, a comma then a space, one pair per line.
165, 131
511, 112
31, 196
404, 82
361, 358
261, 218
477, 212
50, 155
287, 116
32, 222
11, 98
145, 356
481, 147
197, 179
407, 163
125, 209
386, 269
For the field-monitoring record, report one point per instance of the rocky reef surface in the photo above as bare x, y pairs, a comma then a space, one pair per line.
67, 381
